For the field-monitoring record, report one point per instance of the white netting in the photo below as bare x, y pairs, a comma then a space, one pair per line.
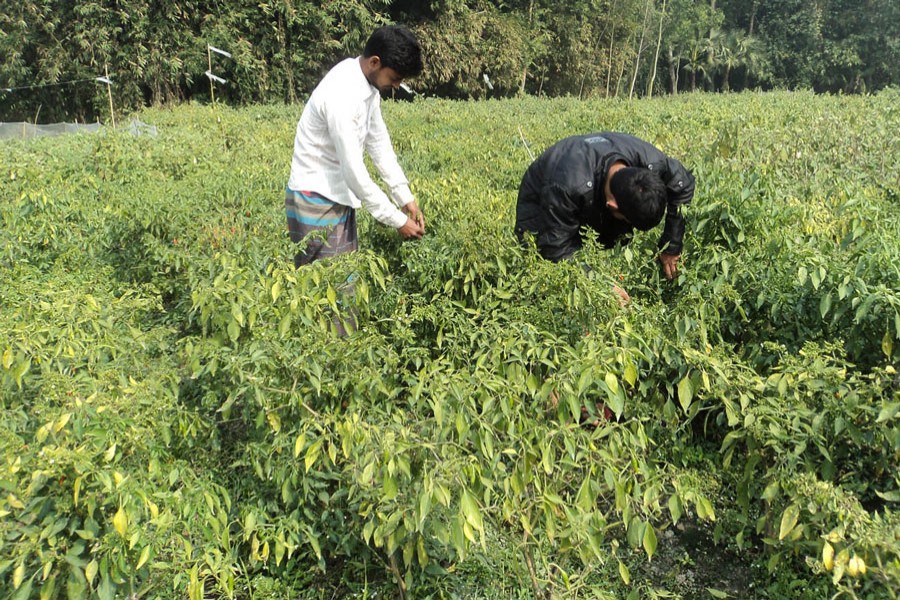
26, 131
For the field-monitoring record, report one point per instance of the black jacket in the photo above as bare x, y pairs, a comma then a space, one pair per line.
562, 191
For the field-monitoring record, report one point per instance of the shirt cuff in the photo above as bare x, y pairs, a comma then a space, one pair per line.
396, 220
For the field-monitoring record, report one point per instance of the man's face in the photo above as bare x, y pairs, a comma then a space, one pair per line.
383, 78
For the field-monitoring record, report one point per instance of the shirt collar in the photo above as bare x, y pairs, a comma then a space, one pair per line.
365, 88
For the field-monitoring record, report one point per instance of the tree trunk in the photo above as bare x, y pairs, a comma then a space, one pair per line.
637, 58
673, 73
525, 68
753, 17
662, 16
612, 39
286, 58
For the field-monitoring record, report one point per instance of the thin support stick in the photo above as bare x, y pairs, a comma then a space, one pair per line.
521, 135
112, 113
212, 93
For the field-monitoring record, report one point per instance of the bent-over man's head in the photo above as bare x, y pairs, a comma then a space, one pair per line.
640, 195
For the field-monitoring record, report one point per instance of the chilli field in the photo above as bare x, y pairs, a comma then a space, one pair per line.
180, 421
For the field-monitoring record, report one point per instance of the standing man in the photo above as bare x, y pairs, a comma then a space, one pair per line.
611, 182
329, 179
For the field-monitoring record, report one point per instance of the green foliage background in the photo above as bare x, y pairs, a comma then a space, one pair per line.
51, 51
179, 419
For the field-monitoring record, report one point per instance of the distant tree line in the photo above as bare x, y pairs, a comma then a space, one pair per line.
156, 52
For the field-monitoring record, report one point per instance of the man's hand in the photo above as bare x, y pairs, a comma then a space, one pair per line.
411, 230
621, 295
669, 265
412, 211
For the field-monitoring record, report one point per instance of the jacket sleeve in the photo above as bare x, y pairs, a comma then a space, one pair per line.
680, 191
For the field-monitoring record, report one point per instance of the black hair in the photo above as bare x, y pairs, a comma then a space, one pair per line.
641, 196
397, 48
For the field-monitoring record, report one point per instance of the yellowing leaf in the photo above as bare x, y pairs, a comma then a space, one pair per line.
470, 511
18, 576
299, 444
274, 421
145, 556
120, 521
631, 374
828, 556
312, 454
61, 422
76, 489
90, 571
624, 573
788, 520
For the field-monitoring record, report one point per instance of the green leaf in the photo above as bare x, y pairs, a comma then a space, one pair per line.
585, 499
390, 488
635, 533
788, 520
616, 395
675, 508
237, 313
717, 593
649, 541
284, 326
313, 540
685, 393
825, 304
892, 496
888, 412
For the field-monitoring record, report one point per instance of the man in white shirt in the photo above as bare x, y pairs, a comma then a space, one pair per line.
342, 118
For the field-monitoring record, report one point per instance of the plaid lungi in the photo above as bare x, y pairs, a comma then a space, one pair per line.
328, 228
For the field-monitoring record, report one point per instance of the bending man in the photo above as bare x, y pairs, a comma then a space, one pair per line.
611, 182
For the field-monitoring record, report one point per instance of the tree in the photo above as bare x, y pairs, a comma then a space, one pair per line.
685, 37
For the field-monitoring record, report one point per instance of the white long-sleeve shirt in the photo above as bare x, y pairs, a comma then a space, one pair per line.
340, 120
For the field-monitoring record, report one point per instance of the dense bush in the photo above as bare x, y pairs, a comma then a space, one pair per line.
179, 416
